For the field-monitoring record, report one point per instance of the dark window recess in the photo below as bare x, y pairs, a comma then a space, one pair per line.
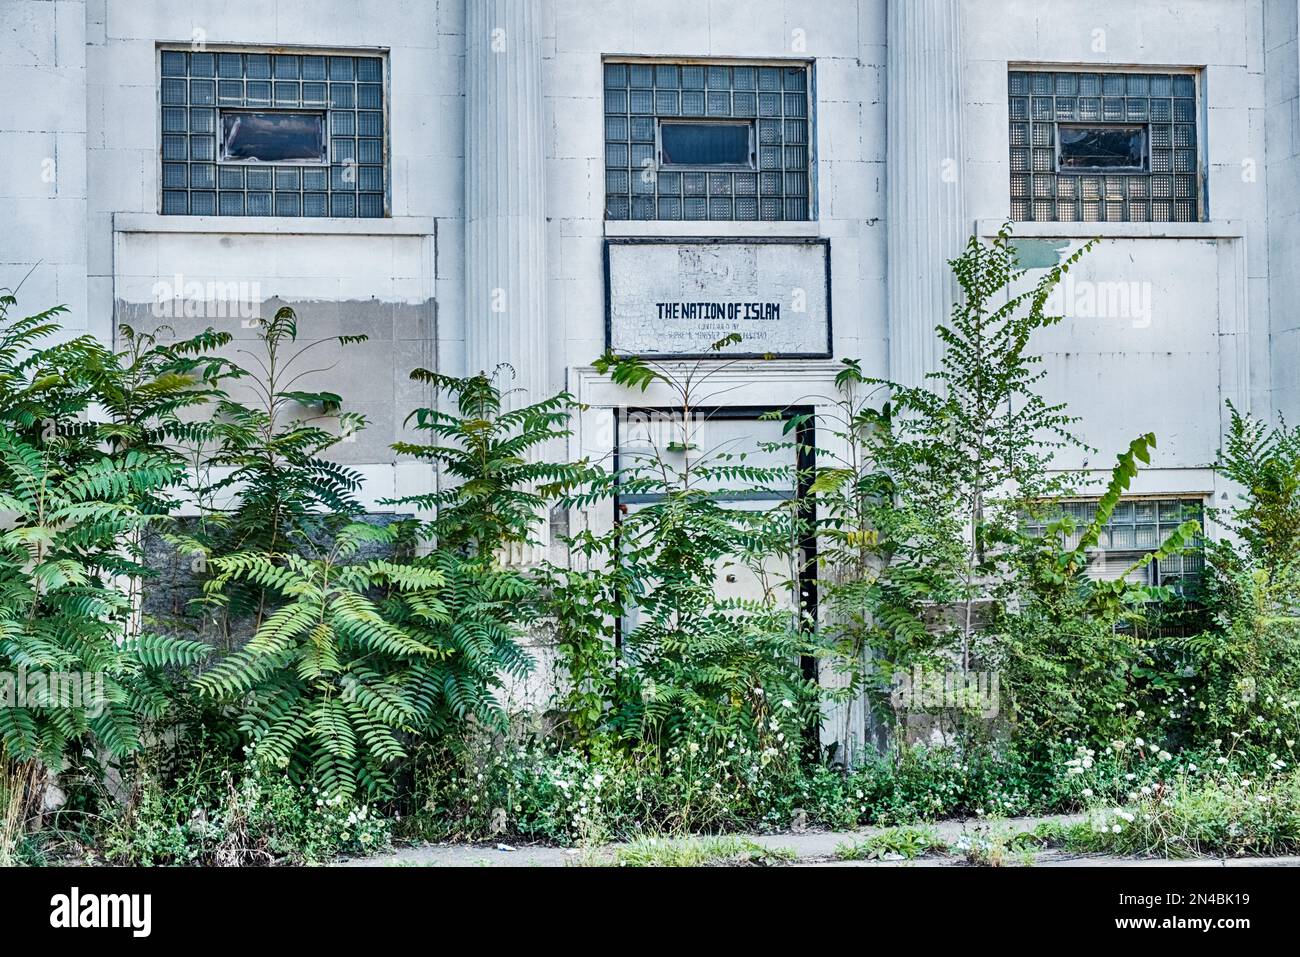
278, 137
706, 144
1113, 148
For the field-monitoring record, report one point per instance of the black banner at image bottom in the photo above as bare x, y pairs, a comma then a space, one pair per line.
149, 907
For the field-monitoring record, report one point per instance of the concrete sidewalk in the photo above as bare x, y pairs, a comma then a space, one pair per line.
809, 849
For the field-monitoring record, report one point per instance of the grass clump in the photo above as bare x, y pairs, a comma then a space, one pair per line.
895, 843
724, 851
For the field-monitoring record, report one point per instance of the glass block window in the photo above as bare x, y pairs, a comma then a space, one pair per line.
701, 141
262, 134
1136, 528
1104, 147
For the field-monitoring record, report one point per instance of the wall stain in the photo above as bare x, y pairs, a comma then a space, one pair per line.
1039, 253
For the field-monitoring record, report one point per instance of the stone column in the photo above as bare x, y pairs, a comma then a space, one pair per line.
927, 223
505, 210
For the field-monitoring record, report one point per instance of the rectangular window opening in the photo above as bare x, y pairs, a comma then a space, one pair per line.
1109, 148
272, 137
712, 145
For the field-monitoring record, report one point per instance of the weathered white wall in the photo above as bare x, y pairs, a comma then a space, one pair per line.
80, 187
1215, 315
364, 277
844, 38
1207, 283
380, 278
1146, 349
43, 185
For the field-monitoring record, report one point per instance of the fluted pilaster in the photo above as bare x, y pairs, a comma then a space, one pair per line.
927, 221
505, 210
505, 214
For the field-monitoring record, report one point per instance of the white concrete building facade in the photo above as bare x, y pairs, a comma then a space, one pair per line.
471, 182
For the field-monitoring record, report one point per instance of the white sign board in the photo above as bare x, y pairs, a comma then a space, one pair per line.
678, 297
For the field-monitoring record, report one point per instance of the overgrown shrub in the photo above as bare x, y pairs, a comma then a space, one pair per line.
361, 660
537, 789
695, 670
921, 511
76, 491
1194, 814
352, 653
261, 476
1071, 652
1244, 669
233, 815
926, 566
